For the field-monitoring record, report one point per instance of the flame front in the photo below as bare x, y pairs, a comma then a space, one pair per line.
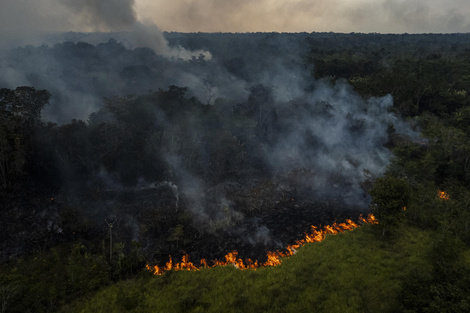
273, 257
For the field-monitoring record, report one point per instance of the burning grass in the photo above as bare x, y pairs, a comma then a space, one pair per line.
273, 257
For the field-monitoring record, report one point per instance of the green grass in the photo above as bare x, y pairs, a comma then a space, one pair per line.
348, 272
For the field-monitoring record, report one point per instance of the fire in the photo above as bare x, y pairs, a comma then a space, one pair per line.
443, 195
274, 258
369, 220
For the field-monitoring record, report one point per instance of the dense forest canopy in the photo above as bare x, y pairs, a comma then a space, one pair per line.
228, 141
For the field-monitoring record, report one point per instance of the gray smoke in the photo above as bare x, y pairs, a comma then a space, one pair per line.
104, 15
83, 68
22, 22
32, 22
211, 210
336, 135
116, 16
45, 21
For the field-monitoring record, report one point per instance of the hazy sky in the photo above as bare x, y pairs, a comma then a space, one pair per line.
20, 18
384, 16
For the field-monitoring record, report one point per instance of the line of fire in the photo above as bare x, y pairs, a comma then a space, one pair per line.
273, 257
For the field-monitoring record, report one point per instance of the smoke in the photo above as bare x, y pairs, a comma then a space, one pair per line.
31, 22
311, 135
336, 135
386, 16
428, 16
103, 15
24, 22
211, 209
27, 21
29, 17
67, 65
116, 16
80, 74
319, 140
305, 124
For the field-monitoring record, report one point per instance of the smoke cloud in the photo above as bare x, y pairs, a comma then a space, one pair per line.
21, 22
103, 15
30, 22
383, 16
39, 22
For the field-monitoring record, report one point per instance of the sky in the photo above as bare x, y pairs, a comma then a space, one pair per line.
23, 18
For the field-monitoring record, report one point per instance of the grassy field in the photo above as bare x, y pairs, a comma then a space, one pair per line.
347, 272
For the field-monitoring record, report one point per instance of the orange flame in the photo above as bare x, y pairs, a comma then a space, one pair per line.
273, 257
443, 195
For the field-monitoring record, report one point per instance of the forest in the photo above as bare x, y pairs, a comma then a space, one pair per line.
115, 157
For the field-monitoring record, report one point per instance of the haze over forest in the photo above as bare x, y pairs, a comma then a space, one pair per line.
131, 130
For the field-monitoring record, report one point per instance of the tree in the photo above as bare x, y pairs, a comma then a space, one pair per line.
390, 196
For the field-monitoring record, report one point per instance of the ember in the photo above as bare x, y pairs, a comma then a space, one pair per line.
273, 257
443, 195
